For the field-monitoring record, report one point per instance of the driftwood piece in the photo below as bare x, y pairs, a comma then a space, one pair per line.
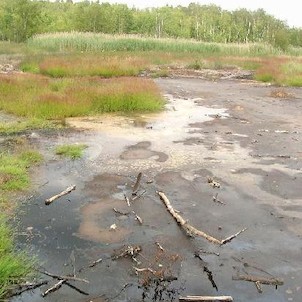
138, 218
159, 246
137, 183
95, 262
65, 192
146, 269
190, 230
215, 199
206, 298
259, 280
127, 200
54, 288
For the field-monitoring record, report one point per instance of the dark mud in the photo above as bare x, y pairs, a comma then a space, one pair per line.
231, 131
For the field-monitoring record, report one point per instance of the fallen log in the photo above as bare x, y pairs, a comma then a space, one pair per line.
190, 230
127, 200
206, 298
259, 280
65, 192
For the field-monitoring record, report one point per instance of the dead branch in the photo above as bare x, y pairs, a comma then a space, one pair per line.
65, 192
159, 246
94, 263
207, 271
146, 269
70, 278
230, 238
208, 253
138, 218
136, 185
206, 298
28, 286
54, 288
215, 199
120, 212
190, 230
259, 280
76, 288
127, 200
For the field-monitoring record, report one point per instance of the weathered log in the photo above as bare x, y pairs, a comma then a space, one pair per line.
65, 192
206, 298
190, 230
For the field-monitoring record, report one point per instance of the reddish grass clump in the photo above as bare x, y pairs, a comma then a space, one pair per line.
37, 96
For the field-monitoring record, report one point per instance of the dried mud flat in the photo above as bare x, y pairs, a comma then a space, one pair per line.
229, 132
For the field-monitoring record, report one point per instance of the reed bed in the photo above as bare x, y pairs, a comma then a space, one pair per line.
92, 42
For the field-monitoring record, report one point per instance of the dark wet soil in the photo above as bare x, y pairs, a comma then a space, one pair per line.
231, 131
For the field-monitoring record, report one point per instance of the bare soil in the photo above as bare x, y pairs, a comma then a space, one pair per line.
231, 130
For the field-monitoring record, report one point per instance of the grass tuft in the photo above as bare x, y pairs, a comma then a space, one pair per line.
71, 151
14, 169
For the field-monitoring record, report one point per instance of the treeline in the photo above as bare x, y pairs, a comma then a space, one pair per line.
20, 19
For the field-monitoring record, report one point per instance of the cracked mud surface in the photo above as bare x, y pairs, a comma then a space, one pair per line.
232, 131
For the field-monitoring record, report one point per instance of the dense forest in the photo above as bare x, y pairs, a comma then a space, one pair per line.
21, 19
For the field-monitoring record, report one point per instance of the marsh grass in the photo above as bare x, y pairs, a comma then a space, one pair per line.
39, 97
71, 151
14, 265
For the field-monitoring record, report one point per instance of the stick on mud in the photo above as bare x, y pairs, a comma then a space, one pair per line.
65, 192
190, 230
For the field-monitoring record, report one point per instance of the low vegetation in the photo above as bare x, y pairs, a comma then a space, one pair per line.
14, 176
14, 265
39, 97
71, 151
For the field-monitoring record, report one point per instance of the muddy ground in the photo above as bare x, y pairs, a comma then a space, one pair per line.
230, 130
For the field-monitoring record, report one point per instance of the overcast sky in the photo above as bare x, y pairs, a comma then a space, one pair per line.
287, 10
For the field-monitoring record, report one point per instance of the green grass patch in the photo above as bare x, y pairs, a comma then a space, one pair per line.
41, 98
14, 266
14, 170
9, 128
71, 151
